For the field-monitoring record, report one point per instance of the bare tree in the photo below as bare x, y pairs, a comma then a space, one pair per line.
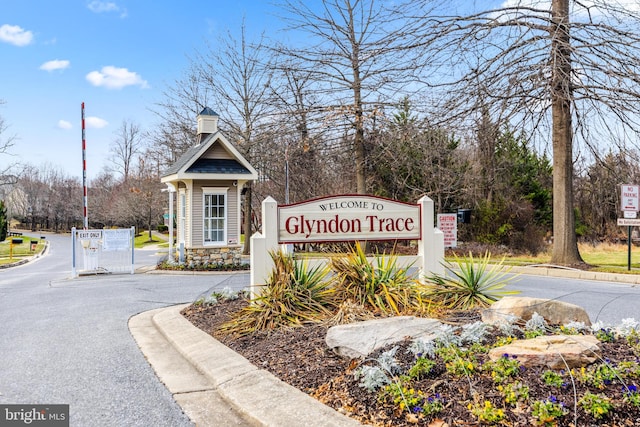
236, 73
362, 54
126, 147
564, 72
6, 142
183, 101
142, 200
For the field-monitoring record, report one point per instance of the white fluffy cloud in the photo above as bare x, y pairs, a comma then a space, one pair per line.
56, 64
15, 35
115, 78
95, 122
102, 6
97, 6
63, 124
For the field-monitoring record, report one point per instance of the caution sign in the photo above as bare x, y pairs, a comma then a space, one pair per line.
448, 224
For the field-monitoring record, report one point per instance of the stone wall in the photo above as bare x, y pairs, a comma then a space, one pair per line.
217, 256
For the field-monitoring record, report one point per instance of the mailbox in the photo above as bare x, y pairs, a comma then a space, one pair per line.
16, 241
464, 216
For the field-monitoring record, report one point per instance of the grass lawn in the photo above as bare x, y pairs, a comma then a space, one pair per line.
142, 240
604, 257
10, 253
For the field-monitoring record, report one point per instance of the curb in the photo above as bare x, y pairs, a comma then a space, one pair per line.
257, 395
571, 273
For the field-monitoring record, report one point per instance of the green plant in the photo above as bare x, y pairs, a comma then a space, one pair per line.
598, 376
552, 379
605, 334
503, 368
405, 397
572, 328
432, 405
548, 412
462, 366
628, 369
472, 285
514, 392
294, 294
502, 341
421, 368
597, 405
486, 413
381, 286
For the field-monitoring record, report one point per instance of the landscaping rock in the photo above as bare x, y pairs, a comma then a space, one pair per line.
552, 351
359, 339
554, 312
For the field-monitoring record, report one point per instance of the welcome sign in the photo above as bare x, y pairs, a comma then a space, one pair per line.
348, 218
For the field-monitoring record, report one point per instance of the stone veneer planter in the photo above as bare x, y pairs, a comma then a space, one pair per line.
215, 255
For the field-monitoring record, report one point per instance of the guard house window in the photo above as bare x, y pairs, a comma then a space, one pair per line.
215, 216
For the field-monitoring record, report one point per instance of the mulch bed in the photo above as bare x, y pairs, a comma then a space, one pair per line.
299, 356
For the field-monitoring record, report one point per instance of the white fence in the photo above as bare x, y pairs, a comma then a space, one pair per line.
102, 251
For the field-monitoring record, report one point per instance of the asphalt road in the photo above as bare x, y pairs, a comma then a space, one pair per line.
66, 341
606, 302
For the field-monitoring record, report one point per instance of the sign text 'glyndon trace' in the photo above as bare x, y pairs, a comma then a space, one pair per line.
346, 218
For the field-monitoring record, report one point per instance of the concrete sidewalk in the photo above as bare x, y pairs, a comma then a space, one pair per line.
216, 386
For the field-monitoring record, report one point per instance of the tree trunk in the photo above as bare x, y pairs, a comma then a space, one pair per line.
565, 245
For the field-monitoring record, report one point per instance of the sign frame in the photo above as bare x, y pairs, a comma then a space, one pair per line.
349, 217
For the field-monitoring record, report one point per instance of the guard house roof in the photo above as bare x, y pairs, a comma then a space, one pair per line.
198, 163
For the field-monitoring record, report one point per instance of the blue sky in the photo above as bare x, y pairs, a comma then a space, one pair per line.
116, 56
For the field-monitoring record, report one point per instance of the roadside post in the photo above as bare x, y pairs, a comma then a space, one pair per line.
630, 204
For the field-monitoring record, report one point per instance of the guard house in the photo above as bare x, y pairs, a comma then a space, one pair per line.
208, 180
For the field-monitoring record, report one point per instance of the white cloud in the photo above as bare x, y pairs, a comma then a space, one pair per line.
95, 122
63, 124
15, 35
116, 78
56, 64
98, 6
102, 6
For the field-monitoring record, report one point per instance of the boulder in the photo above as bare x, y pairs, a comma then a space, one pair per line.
551, 351
359, 339
554, 312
